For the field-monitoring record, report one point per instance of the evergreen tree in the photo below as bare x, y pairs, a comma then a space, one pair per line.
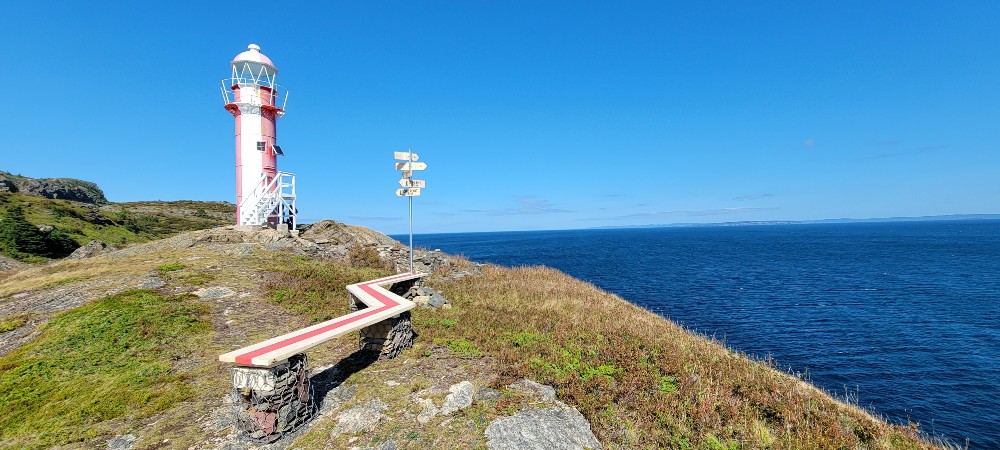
18, 236
59, 244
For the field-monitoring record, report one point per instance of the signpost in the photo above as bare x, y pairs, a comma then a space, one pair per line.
408, 192
411, 188
405, 156
406, 182
411, 166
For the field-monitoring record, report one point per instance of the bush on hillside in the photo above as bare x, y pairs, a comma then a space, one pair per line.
21, 239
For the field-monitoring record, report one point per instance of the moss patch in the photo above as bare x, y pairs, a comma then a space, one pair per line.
107, 360
11, 323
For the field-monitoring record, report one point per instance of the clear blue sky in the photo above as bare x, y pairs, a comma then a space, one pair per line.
531, 115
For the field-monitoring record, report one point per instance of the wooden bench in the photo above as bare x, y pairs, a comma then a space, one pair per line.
381, 303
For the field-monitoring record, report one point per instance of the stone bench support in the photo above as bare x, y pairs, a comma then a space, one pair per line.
269, 402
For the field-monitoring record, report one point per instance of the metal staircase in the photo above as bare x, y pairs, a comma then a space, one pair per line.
272, 200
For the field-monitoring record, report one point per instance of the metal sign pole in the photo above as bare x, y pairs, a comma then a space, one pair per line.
410, 187
409, 159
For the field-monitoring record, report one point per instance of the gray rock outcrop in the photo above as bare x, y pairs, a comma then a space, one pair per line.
330, 232
554, 428
93, 248
363, 417
432, 298
123, 442
11, 263
6, 184
214, 292
56, 188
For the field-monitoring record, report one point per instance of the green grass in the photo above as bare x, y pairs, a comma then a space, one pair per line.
460, 346
106, 360
170, 267
119, 223
61, 282
194, 279
316, 289
11, 323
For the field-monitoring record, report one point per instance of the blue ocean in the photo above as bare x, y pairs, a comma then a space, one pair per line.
900, 317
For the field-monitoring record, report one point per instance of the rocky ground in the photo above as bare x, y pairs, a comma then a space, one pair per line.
430, 397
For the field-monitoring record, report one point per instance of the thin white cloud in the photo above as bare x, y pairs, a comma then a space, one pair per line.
913, 151
747, 198
375, 218
686, 213
525, 205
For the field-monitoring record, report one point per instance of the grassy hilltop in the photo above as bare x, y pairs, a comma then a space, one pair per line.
126, 343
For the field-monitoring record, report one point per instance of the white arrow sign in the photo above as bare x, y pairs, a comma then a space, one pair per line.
406, 182
411, 166
405, 156
408, 192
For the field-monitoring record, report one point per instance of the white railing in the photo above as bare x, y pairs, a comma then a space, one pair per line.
279, 95
272, 200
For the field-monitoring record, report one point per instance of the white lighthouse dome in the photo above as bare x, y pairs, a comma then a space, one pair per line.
254, 60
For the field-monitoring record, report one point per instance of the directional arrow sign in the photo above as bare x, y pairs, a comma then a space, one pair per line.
406, 182
408, 192
405, 156
411, 166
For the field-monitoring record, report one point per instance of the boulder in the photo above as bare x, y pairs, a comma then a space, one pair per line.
486, 395
427, 410
430, 297
123, 442
460, 397
555, 428
544, 392
93, 248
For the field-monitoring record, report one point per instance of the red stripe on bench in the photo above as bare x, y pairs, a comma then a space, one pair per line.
246, 358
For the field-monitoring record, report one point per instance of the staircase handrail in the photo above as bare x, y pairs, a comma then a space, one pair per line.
257, 191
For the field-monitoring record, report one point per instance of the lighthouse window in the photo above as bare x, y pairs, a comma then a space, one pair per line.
261, 146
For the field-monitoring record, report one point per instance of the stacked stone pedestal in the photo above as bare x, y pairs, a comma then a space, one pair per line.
269, 402
389, 337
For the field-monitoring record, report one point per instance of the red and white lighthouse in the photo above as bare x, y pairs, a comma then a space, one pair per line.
263, 194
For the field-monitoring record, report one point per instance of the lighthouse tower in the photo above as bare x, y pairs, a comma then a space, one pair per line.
263, 194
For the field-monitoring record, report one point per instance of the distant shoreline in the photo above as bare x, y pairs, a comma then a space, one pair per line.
943, 218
